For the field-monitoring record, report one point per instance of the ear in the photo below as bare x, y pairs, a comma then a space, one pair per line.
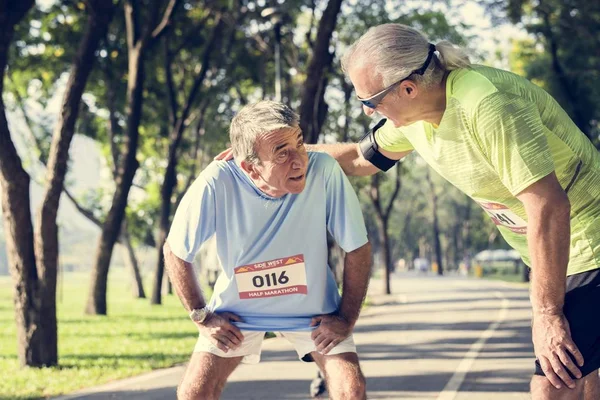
410, 89
250, 169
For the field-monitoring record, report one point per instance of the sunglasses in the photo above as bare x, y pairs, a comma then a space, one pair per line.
373, 101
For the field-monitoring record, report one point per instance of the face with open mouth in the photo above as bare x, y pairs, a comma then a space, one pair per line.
283, 162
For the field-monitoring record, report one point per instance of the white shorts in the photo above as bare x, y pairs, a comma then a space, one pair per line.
252, 345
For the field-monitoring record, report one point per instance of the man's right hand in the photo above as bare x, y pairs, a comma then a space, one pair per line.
218, 329
225, 155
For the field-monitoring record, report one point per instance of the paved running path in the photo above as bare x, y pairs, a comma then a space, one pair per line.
438, 338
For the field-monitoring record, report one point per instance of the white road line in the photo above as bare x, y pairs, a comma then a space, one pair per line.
451, 389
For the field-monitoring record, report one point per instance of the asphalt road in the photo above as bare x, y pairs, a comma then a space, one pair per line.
438, 338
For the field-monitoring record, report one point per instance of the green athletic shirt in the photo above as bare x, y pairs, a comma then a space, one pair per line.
498, 135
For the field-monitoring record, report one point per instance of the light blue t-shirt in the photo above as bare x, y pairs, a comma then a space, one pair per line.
272, 251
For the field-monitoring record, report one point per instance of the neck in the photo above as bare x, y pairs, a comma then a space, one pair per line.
434, 103
268, 190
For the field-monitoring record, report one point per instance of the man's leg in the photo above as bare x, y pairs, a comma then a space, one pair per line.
581, 299
587, 388
591, 389
542, 389
205, 376
344, 378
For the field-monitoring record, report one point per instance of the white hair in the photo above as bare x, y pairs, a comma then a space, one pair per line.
254, 120
394, 51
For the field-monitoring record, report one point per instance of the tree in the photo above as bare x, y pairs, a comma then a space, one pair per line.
568, 69
383, 213
313, 108
180, 122
139, 40
435, 225
34, 263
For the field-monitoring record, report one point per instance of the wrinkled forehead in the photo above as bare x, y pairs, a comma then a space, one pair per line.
275, 140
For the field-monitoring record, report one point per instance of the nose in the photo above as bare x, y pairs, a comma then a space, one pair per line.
298, 161
368, 110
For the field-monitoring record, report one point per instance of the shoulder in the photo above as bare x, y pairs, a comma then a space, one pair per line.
216, 171
322, 167
479, 87
470, 86
320, 162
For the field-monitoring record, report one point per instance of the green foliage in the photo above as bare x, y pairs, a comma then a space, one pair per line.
47, 43
242, 70
564, 57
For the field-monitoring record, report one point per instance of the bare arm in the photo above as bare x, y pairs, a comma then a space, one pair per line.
357, 272
351, 159
548, 236
333, 329
217, 327
183, 278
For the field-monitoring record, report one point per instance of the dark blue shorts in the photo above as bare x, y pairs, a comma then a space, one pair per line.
582, 309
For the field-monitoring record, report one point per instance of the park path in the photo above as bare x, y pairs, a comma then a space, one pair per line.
438, 338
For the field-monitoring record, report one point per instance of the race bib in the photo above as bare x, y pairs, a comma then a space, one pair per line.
503, 216
280, 277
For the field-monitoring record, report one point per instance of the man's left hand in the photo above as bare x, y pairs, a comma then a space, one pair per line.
331, 330
552, 344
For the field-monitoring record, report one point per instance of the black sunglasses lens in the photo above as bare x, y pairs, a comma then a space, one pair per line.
368, 103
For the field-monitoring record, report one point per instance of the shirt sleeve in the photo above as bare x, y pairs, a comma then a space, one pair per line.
194, 220
513, 138
344, 216
392, 139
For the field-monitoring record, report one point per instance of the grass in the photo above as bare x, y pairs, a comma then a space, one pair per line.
134, 338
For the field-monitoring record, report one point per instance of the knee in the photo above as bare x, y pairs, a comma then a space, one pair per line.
542, 389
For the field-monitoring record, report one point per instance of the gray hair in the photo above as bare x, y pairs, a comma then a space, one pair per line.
254, 120
395, 50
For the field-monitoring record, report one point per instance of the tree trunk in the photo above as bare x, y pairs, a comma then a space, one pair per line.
128, 164
14, 182
436, 229
347, 89
127, 168
320, 62
46, 232
387, 255
568, 88
383, 218
137, 284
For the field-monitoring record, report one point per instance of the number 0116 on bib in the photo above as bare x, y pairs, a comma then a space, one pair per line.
280, 277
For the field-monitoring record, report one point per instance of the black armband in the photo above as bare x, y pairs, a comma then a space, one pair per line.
370, 149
